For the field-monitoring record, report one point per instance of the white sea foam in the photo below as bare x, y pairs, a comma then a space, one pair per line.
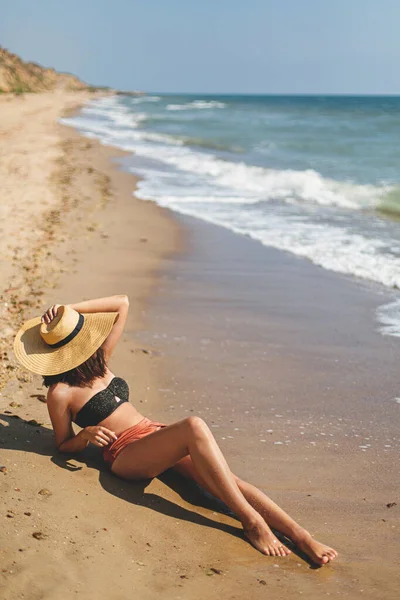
106, 121
197, 104
388, 315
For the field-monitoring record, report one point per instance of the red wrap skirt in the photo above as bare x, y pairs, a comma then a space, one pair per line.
141, 429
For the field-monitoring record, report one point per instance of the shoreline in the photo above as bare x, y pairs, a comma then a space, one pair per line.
192, 321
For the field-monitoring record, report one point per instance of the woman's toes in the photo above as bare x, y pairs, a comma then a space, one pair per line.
319, 553
282, 550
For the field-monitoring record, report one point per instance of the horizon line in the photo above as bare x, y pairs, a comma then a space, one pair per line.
319, 94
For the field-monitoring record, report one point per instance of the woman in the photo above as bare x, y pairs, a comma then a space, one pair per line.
70, 346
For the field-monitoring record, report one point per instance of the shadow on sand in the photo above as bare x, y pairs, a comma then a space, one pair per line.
31, 436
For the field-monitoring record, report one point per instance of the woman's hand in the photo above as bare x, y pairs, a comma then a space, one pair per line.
50, 313
99, 436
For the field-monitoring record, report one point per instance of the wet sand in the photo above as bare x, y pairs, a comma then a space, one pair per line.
284, 361
271, 351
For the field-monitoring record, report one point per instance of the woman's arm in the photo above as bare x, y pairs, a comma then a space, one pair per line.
75, 444
66, 440
109, 304
119, 304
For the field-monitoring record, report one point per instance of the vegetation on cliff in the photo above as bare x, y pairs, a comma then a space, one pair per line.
19, 77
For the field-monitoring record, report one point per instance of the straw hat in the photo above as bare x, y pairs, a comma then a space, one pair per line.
65, 343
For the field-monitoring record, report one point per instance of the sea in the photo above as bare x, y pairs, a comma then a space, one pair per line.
315, 176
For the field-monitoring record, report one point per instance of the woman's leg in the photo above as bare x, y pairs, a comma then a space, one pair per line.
153, 454
278, 519
273, 515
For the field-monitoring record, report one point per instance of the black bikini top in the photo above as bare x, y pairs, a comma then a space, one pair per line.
102, 405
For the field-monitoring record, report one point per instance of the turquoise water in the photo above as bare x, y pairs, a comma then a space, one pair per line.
355, 138
316, 176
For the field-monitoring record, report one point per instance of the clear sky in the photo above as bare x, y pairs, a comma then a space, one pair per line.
211, 46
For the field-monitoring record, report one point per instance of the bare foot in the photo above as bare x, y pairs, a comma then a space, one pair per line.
319, 553
262, 538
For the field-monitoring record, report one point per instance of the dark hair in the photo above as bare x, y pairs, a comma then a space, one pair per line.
83, 375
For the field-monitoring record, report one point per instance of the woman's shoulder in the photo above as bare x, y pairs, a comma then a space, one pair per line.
59, 392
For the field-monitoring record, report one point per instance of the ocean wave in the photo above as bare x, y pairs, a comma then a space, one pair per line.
122, 117
142, 99
99, 128
270, 184
388, 315
196, 104
96, 111
127, 138
107, 122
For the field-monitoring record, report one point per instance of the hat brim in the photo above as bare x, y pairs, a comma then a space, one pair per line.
37, 356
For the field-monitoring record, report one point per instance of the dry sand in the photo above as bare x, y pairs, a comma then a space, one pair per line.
35, 180
69, 528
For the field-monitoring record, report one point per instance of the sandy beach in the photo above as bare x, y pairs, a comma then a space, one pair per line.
288, 391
